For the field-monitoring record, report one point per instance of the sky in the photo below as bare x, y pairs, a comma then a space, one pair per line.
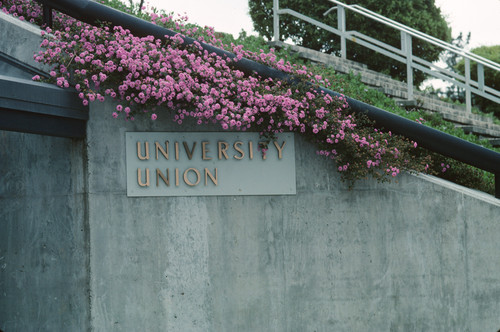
480, 17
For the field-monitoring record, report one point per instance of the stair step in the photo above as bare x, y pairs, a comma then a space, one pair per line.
494, 141
406, 103
479, 130
397, 90
467, 119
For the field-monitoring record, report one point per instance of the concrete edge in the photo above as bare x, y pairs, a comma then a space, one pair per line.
32, 28
476, 194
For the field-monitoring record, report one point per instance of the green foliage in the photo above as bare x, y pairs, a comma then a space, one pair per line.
451, 58
457, 171
261, 12
463, 174
491, 77
422, 15
130, 7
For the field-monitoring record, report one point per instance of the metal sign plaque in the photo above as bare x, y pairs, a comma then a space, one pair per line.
209, 164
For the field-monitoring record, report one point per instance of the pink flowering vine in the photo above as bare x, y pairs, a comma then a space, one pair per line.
149, 76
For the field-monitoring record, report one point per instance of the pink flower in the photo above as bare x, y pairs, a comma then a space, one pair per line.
199, 85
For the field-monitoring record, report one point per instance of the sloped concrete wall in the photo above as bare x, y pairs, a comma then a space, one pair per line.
19, 40
417, 255
43, 234
77, 254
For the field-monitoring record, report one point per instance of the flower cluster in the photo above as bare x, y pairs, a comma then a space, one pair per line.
148, 76
24, 10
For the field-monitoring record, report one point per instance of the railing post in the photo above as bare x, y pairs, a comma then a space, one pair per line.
406, 47
341, 26
480, 76
47, 15
497, 185
276, 21
468, 96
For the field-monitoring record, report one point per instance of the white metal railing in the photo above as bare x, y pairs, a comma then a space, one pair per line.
403, 54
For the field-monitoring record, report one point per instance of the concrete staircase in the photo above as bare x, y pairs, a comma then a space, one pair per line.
481, 126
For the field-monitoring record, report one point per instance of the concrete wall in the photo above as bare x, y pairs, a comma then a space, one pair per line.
19, 40
43, 234
77, 254
44, 260
418, 255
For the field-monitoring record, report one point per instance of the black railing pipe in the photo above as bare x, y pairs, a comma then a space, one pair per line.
94, 13
47, 13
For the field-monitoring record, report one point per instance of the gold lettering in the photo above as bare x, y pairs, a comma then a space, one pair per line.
280, 149
208, 174
189, 152
250, 150
176, 177
205, 150
236, 146
139, 180
159, 175
223, 146
159, 148
139, 154
186, 179
176, 150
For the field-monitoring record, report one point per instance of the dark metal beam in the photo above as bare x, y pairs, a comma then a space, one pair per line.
40, 108
42, 124
47, 15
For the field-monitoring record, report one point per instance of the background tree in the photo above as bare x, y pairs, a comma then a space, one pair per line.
422, 15
451, 59
131, 7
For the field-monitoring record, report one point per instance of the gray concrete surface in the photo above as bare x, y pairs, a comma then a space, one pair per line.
417, 255
77, 254
43, 234
20, 40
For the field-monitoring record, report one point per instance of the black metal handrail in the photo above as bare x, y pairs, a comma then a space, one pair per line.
93, 13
